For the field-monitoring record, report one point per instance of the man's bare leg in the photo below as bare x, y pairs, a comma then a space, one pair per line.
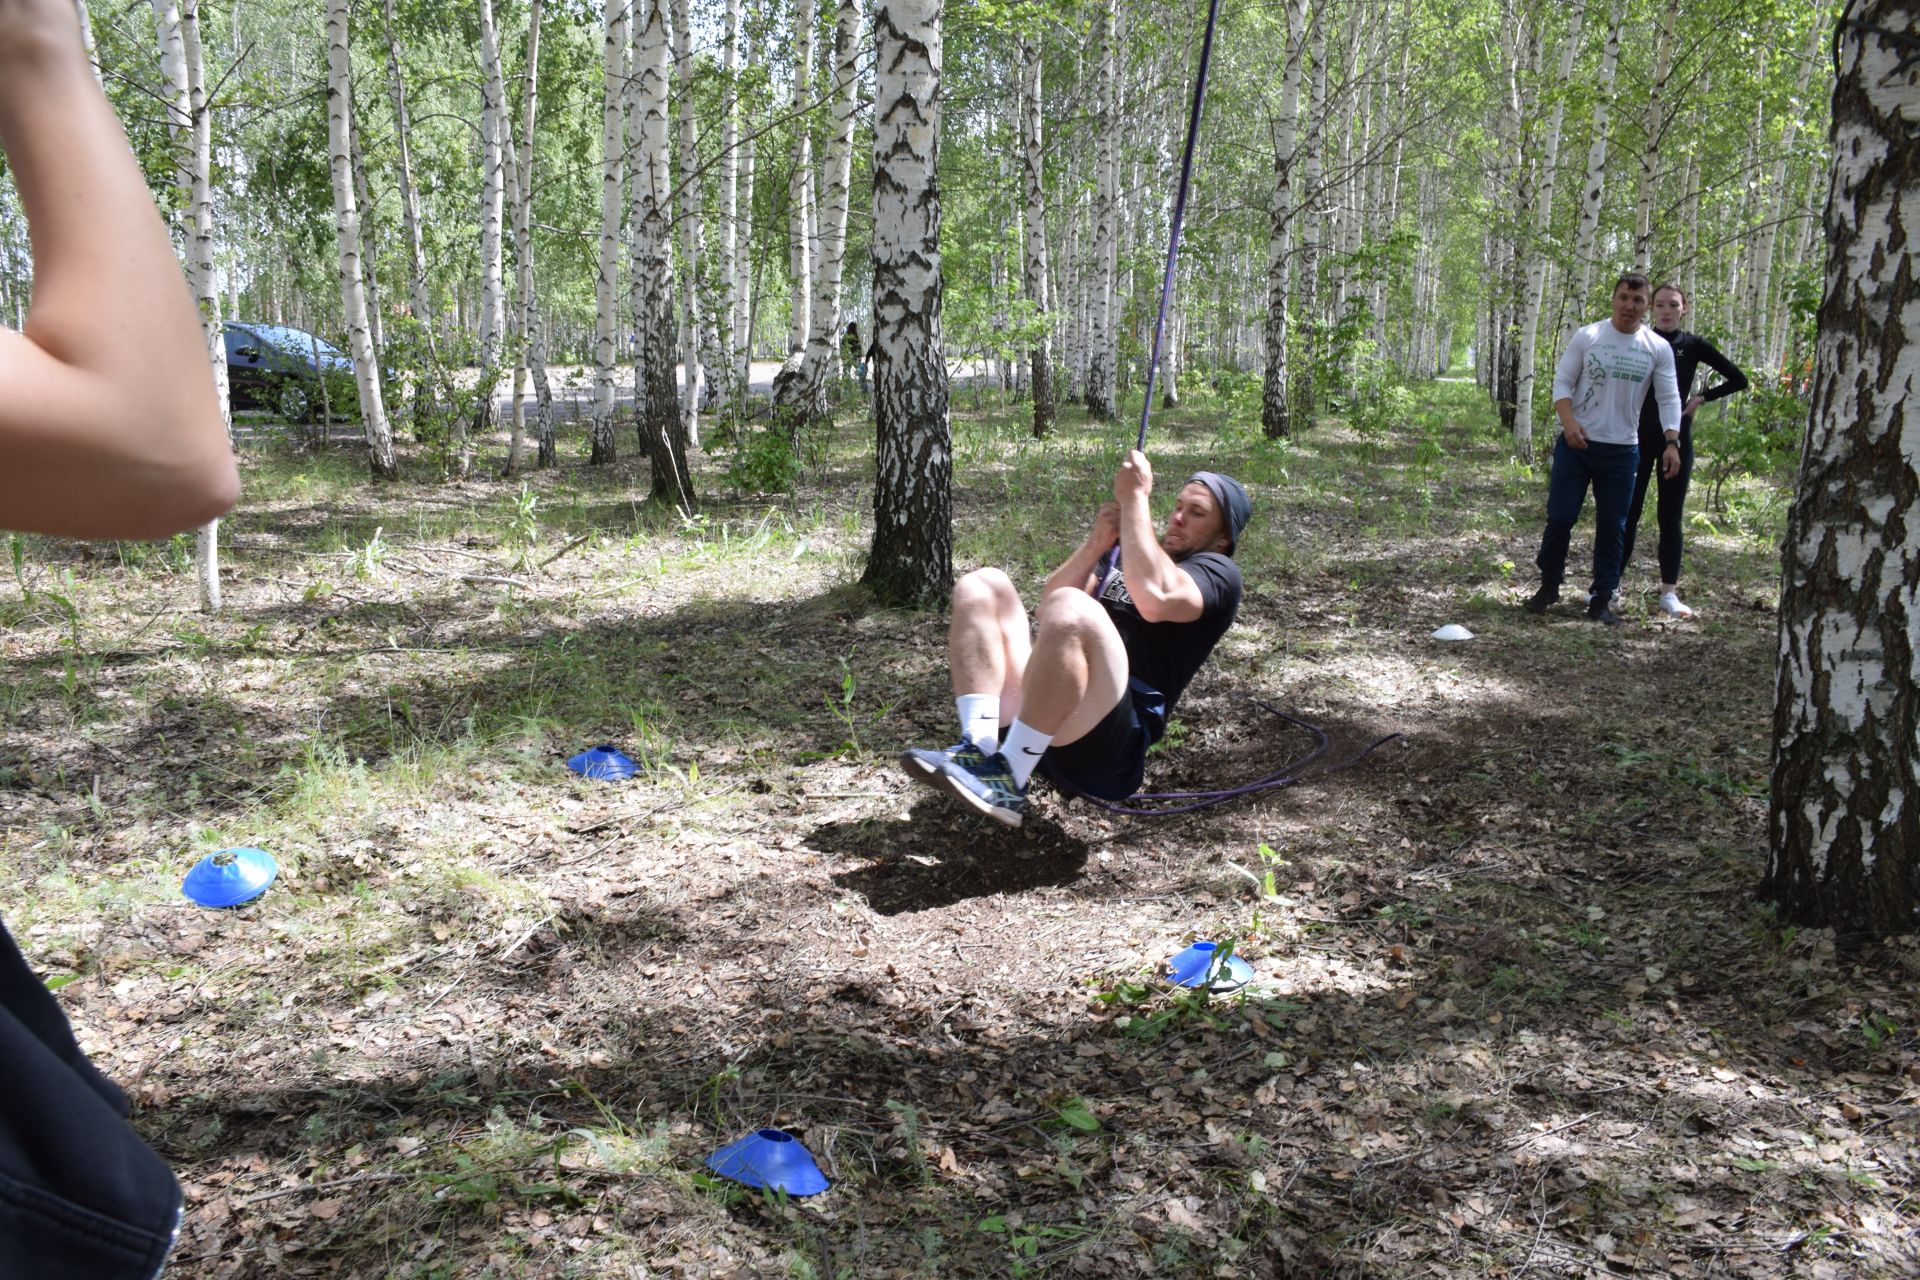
1077, 670
988, 645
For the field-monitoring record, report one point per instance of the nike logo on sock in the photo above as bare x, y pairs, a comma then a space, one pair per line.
1029, 751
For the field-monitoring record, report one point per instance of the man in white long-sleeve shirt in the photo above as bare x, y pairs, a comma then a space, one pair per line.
1598, 389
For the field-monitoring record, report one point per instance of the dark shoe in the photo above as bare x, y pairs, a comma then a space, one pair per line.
1600, 613
921, 764
988, 787
1542, 600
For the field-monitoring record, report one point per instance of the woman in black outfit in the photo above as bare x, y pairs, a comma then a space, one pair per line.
1675, 460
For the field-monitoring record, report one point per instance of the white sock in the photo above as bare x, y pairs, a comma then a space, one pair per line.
980, 720
1023, 748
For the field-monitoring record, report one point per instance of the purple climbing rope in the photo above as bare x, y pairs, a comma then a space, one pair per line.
1287, 775
1179, 213
1295, 771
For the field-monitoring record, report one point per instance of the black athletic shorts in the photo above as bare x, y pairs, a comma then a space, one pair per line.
1109, 761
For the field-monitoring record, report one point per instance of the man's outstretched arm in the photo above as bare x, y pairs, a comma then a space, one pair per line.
108, 422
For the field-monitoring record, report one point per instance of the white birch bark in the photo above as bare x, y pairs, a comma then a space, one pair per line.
1313, 197
519, 167
725, 326
800, 215
190, 128
1594, 187
656, 390
529, 350
493, 302
369, 234
690, 247
1759, 307
1103, 339
1844, 807
346, 226
86, 40
1656, 131
1034, 242
1536, 250
419, 297
1276, 420
822, 362
911, 560
607, 274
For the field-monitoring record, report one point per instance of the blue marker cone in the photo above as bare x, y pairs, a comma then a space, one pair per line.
230, 877
605, 762
1189, 969
770, 1158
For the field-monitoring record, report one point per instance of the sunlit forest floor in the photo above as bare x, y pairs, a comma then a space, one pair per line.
1515, 1009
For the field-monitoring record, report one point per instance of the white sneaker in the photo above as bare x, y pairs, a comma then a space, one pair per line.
1671, 606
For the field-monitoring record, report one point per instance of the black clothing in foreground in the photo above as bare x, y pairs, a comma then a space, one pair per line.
1690, 351
81, 1196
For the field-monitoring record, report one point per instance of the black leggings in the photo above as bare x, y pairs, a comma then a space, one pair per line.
1671, 504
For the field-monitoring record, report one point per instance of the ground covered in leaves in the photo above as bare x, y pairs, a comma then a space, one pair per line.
1515, 1009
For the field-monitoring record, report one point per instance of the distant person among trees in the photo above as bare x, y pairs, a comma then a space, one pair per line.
109, 428
1674, 455
1604, 375
856, 354
1088, 692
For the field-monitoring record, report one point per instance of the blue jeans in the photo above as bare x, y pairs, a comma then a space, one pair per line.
1609, 469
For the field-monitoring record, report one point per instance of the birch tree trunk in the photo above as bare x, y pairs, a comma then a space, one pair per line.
1034, 257
419, 298
1759, 304
1656, 131
1594, 187
740, 274
346, 227
526, 317
911, 561
1536, 285
689, 230
1276, 408
800, 181
731, 388
607, 274
1312, 224
1845, 799
655, 387
1103, 339
190, 129
493, 302
822, 363
369, 235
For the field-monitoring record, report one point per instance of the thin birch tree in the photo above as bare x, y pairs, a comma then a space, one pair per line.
607, 261
1536, 250
800, 212
493, 194
1034, 243
822, 360
656, 390
346, 227
190, 127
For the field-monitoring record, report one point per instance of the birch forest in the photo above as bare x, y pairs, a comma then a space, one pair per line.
633, 407
1384, 189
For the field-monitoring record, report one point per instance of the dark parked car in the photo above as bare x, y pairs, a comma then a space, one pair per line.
278, 368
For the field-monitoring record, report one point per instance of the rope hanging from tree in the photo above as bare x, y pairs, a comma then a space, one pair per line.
1297, 770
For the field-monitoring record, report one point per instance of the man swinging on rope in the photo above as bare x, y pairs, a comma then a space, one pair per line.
1091, 689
